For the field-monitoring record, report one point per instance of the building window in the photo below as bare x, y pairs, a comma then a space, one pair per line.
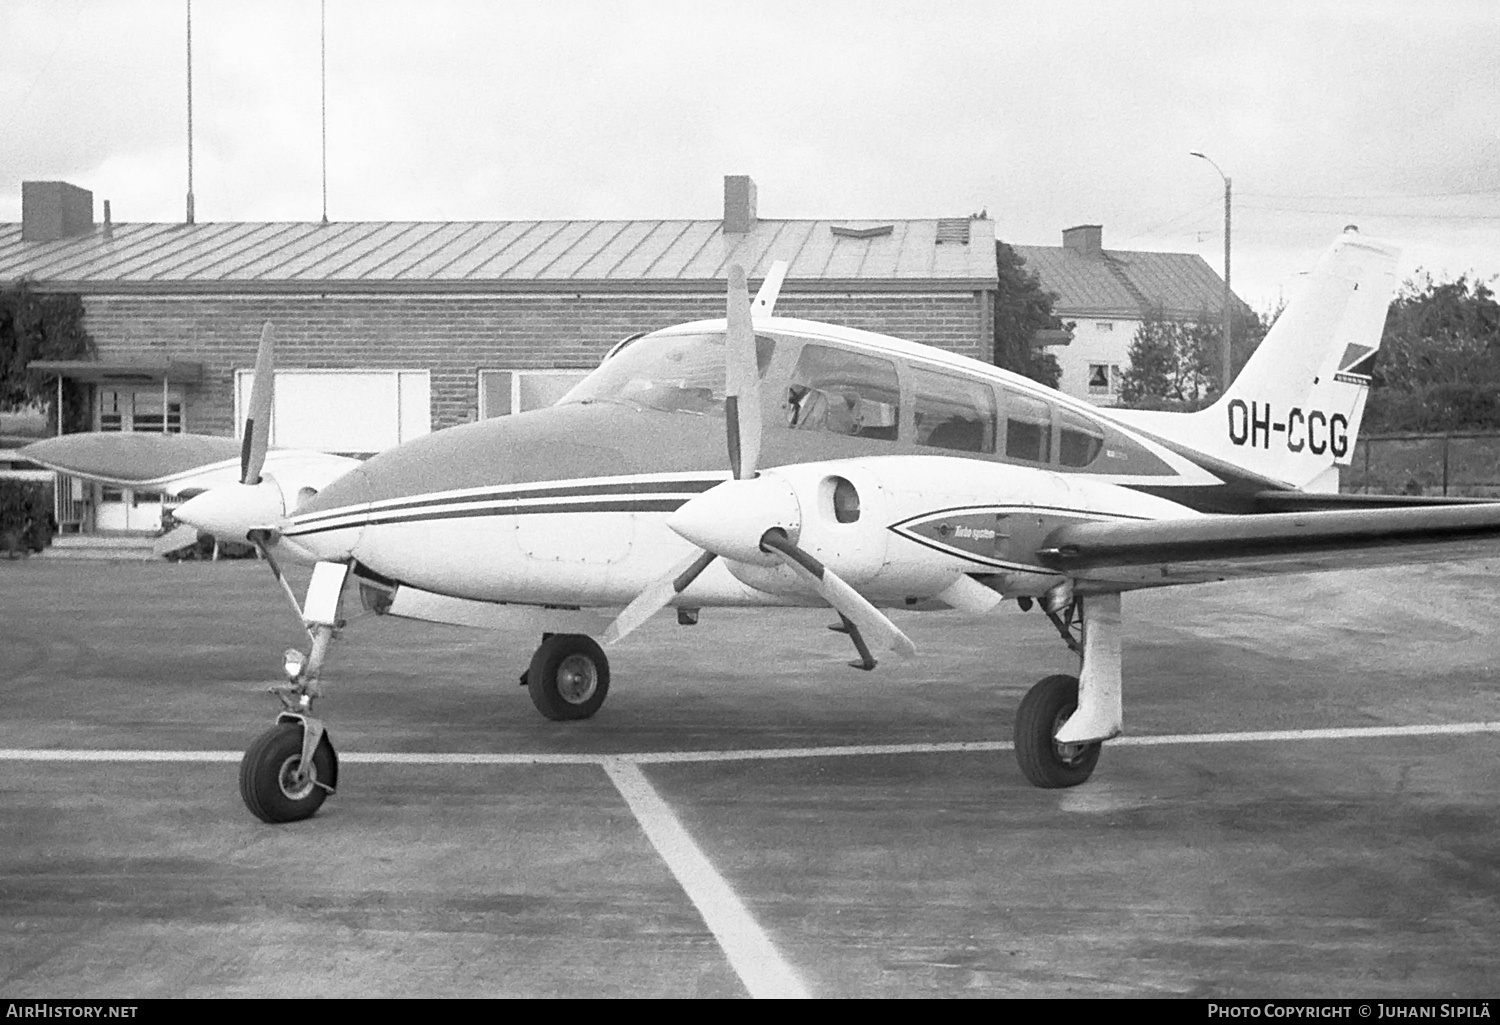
503, 392
1104, 378
139, 410
1104, 325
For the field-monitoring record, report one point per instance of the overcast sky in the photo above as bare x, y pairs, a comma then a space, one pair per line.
1047, 114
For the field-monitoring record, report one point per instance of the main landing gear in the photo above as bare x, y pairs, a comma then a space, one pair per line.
1063, 720
568, 677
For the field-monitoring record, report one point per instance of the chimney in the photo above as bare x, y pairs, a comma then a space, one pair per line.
739, 203
109, 227
1087, 240
54, 210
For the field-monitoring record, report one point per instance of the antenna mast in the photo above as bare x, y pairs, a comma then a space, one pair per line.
190, 109
323, 74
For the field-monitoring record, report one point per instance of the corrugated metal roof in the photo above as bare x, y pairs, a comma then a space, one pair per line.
1122, 283
500, 255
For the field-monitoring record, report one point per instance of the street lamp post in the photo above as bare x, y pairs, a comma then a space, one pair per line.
1228, 296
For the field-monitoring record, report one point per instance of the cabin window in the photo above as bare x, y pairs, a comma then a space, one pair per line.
843, 393
671, 373
1079, 441
952, 412
1028, 428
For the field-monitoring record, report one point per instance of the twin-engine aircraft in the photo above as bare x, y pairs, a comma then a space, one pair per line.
765, 461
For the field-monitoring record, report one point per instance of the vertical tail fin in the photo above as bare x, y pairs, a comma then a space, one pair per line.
1294, 411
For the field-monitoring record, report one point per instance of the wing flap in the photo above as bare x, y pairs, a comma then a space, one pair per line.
1161, 552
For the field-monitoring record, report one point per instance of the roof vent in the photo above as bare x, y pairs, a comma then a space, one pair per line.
953, 230
843, 231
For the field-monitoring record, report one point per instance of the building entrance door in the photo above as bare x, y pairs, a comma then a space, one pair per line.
133, 409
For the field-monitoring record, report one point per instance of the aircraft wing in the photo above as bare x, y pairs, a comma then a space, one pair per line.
1106, 556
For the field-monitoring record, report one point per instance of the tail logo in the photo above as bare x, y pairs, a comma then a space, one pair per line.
1357, 365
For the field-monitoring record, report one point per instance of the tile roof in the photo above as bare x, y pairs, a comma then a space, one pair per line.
468, 256
1121, 283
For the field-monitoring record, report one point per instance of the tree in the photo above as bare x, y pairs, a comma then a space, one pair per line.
1172, 361
1177, 364
1439, 362
1022, 308
41, 326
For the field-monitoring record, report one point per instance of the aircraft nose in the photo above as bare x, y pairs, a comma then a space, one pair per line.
328, 526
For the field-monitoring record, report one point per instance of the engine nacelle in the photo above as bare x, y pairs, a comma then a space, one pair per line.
905, 527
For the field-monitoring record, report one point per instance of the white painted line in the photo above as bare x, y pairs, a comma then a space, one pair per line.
750, 952
18, 754
842, 751
466, 758
1336, 733
21, 754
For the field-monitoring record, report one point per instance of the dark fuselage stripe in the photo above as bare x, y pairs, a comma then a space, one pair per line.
524, 493
408, 515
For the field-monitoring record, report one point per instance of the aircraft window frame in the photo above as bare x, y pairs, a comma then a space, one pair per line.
843, 392
1070, 421
1012, 401
695, 387
956, 432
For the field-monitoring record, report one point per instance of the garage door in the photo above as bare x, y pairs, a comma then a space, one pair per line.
350, 412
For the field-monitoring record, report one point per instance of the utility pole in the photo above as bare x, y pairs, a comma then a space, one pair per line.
1228, 295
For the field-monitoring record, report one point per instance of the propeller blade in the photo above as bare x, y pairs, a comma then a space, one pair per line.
258, 419
765, 300
741, 380
180, 536
849, 603
656, 596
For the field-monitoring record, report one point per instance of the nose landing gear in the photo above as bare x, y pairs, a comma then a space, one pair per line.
289, 770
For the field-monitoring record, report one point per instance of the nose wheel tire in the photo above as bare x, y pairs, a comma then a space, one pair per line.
270, 783
568, 677
1045, 762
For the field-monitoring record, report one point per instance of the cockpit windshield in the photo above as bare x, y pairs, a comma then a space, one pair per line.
672, 373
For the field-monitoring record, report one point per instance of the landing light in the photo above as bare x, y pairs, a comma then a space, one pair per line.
295, 662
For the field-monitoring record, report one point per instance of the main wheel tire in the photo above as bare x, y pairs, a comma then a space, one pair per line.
268, 770
1044, 761
568, 677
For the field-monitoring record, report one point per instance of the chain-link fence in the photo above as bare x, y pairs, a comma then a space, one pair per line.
1426, 464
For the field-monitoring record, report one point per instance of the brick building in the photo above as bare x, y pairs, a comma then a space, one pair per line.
387, 330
